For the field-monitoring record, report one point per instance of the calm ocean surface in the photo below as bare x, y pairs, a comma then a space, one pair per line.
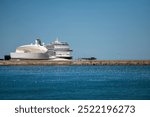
75, 82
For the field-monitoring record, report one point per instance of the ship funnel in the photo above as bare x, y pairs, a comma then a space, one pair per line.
38, 42
57, 40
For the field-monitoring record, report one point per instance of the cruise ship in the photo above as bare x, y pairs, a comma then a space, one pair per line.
53, 51
32, 51
59, 50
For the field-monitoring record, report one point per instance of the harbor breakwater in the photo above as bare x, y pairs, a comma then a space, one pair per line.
73, 62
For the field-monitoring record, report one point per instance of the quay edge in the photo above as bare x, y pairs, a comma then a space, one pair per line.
72, 62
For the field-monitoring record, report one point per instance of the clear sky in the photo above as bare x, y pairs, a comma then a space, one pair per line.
105, 29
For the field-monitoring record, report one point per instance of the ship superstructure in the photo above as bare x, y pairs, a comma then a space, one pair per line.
32, 51
53, 51
59, 50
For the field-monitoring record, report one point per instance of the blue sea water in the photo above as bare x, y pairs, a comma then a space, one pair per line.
75, 82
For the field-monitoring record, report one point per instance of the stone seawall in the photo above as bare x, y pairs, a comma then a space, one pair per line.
73, 62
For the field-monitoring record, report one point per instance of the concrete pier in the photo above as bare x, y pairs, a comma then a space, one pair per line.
73, 62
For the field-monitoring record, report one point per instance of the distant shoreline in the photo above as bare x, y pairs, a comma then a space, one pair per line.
72, 62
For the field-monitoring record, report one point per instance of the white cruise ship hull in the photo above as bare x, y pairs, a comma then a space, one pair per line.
39, 56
